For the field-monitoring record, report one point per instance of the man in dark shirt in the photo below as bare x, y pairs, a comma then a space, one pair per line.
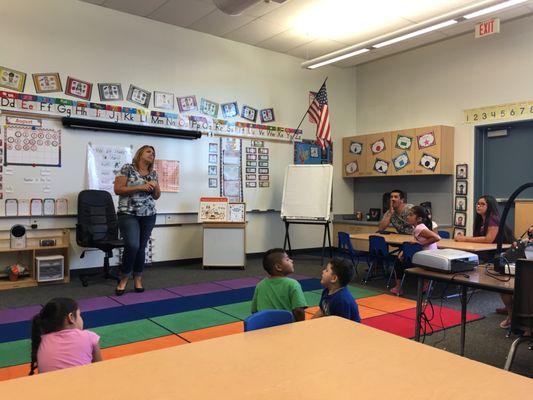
397, 214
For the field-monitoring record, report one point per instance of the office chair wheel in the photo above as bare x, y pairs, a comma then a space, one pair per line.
84, 282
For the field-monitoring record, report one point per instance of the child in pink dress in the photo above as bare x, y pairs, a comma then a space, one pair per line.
423, 234
58, 340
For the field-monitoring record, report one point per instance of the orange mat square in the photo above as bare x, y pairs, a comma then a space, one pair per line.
141, 347
388, 303
16, 371
366, 312
213, 332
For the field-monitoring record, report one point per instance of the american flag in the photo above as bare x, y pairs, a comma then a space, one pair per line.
319, 114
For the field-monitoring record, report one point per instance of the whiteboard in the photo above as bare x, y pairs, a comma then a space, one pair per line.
66, 181
307, 192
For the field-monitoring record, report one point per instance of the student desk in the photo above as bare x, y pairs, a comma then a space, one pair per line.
317, 359
360, 241
477, 278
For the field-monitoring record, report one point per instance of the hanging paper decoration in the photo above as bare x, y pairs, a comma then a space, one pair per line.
351, 167
356, 148
230, 110
378, 146
401, 161
426, 140
429, 162
404, 142
381, 166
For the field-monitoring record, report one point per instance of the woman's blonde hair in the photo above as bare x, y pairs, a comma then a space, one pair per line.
138, 155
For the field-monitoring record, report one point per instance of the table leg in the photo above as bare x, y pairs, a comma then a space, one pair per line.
419, 296
463, 318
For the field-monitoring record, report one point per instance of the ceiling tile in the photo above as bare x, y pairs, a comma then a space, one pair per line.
412, 43
422, 10
217, 23
286, 14
285, 41
97, 2
182, 12
360, 59
255, 32
260, 9
137, 7
315, 49
369, 32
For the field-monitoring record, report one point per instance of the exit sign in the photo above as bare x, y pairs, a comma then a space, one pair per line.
488, 27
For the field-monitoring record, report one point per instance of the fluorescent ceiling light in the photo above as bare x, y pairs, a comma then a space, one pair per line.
344, 56
415, 33
494, 8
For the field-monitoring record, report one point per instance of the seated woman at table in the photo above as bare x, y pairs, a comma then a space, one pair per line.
419, 219
486, 223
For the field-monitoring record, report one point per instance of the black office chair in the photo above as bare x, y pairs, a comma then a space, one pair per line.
522, 316
97, 227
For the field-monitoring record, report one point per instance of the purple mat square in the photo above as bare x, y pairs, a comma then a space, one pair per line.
18, 314
145, 297
197, 288
239, 283
97, 303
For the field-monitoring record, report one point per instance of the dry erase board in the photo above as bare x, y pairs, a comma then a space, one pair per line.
196, 170
307, 192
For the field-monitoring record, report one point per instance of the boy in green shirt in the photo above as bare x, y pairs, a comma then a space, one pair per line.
279, 292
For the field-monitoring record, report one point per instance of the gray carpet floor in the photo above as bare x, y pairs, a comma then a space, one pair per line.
486, 342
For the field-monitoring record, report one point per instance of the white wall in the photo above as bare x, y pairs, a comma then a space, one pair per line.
434, 84
102, 45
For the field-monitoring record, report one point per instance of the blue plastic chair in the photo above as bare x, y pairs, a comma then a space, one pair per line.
378, 253
444, 234
267, 318
345, 249
409, 250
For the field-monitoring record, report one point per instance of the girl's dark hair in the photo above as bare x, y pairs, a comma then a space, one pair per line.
422, 212
50, 319
492, 213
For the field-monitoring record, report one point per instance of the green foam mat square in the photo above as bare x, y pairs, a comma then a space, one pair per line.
15, 353
128, 332
359, 292
193, 320
238, 310
313, 297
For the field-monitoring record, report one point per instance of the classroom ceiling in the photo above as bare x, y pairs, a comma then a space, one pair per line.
308, 29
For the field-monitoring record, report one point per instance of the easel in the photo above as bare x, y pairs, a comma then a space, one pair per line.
287, 240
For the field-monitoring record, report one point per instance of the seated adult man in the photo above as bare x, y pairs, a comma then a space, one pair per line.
396, 215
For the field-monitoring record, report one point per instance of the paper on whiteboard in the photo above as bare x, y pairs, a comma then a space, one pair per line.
103, 162
24, 207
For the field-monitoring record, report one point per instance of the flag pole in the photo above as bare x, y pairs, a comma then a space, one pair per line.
302, 120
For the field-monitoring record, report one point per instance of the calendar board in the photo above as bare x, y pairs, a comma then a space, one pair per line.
32, 144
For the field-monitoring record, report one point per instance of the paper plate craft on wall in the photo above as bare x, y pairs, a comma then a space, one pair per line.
139, 96
249, 113
356, 148
461, 187
78, 88
460, 203
461, 171
208, 107
429, 162
381, 166
230, 110
11, 79
47, 82
267, 115
404, 142
401, 161
378, 146
110, 91
187, 103
426, 140
460, 219
164, 100
351, 167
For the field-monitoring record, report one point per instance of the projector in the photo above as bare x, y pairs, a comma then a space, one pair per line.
446, 260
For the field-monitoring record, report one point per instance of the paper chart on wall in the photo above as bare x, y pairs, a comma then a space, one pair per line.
103, 162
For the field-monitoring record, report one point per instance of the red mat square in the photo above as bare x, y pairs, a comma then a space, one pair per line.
441, 316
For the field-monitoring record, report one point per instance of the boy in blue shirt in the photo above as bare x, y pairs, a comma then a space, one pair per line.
279, 292
336, 298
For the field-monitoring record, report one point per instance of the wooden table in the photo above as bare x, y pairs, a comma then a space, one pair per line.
317, 359
478, 278
360, 241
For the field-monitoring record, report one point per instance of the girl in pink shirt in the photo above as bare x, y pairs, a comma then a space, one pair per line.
423, 234
58, 340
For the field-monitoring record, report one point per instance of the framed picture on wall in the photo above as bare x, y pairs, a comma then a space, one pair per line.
164, 100
78, 88
460, 219
47, 82
249, 113
459, 231
230, 110
12, 79
187, 103
267, 115
461, 187
139, 96
110, 91
461, 171
460, 203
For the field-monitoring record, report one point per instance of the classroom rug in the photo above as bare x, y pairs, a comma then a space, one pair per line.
180, 315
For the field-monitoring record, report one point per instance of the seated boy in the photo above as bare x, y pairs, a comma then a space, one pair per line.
279, 292
336, 298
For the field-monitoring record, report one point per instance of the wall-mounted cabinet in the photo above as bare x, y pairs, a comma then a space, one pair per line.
416, 151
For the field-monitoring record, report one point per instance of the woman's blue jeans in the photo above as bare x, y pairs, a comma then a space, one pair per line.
135, 231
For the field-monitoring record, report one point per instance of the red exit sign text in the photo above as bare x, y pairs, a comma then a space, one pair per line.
488, 27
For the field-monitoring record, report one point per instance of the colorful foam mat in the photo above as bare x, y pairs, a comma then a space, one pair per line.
161, 318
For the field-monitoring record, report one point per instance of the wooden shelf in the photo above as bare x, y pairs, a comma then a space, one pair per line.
22, 282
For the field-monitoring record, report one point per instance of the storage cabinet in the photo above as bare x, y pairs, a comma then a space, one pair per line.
414, 151
224, 244
28, 254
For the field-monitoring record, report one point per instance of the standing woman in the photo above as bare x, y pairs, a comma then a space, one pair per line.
138, 188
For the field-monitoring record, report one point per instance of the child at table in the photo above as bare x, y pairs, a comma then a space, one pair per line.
58, 340
277, 292
336, 298
423, 234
